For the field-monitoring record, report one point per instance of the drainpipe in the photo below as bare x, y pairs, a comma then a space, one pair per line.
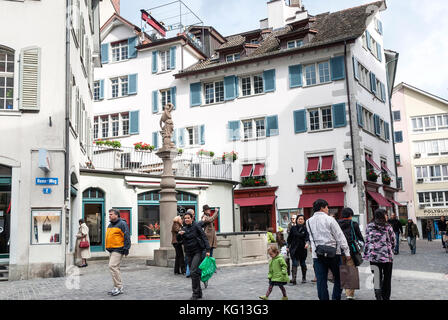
233, 206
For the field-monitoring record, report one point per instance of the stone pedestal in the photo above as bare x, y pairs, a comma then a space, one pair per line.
168, 209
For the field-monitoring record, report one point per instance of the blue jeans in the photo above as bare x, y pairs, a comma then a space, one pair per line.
187, 271
397, 243
412, 244
321, 267
429, 235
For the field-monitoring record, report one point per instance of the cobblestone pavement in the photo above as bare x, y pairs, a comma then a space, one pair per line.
415, 277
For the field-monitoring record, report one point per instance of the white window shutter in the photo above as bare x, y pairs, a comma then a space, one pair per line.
30, 60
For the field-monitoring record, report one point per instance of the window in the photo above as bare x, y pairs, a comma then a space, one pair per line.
165, 59
6, 79
165, 96
124, 86
430, 123
120, 87
254, 41
324, 73
258, 124
295, 44
96, 91
95, 128
397, 115
398, 137
119, 50
398, 159
310, 72
433, 199
115, 125
364, 76
320, 119
320, 163
433, 173
431, 147
148, 222
214, 92
115, 87
105, 126
400, 183
233, 57
193, 136
125, 124
252, 85
369, 166
248, 129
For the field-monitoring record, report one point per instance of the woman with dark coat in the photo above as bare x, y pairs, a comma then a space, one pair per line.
298, 243
179, 263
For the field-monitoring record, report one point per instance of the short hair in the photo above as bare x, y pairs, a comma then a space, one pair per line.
191, 212
188, 214
379, 217
81, 220
273, 249
347, 213
319, 204
117, 212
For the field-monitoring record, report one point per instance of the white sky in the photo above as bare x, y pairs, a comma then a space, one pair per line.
417, 29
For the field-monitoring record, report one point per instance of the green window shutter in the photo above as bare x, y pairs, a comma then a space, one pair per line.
355, 68
132, 84
269, 80
155, 56
360, 115
173, 58
30, 65
132, 51
233, 130
105, 53
272, 126
339, 115
173, 96
195, 94
155, 140
229, 88
300, 125
295, 76
101, 89
134, 122
155, 101
337, 68
202, 135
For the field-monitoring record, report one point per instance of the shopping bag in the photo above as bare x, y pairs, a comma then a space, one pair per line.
208, 267
349, 277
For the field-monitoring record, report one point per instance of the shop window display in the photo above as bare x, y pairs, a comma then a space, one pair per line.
46, 227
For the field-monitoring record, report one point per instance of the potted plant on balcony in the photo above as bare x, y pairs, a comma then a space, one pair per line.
180, 151
372, 176
312, 177
229, 156
260, 182
387, 180
205, 153
107, 143
143, 146
328, 176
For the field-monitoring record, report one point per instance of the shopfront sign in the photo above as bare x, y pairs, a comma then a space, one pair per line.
436, 211
47, 181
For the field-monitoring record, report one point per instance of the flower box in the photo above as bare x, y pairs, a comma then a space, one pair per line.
372, 176
230, 156
107, 143
205, 153
318, 176
254, 182
143, 146
386, 179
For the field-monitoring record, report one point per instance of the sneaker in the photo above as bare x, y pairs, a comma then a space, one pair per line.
117, 291
110, 292
350, 298
284, 298
263, 297
205, 284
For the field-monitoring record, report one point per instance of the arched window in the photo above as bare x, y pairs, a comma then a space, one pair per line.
93, 194
6, 78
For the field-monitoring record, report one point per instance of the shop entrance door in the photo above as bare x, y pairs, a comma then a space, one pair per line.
93, 216
5, 216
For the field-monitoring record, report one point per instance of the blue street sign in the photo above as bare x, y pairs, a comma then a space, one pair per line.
47, 190
47, 181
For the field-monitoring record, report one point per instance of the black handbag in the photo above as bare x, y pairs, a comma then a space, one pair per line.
355, 249
321, 250
46, 226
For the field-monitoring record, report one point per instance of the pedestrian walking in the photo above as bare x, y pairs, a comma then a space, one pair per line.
327, 243
429, 230
118, 244
411, 233
442, 225
354, 239
179, 262
292, 223
398, 229
209, 227
282, 246
187, 271
298, 243
82, 250
378, 250
277, 273
195, 242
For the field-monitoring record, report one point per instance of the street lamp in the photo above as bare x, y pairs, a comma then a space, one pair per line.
348, 165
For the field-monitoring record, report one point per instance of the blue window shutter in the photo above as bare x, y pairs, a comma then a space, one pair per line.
355, 68
272, 126
360, 115
233, 130
132, 81
202, 135
269, 80
337, 68
195, 94
105, 53
376, 119
155, 56
132, 51
174, 137
229, 88
295, 76
237, 87
155, 101
155, 140
300, 125
134, 122
173, 58
173, 96
339, 115
180, 137
101, 89
373, 82
380, 27
369, 41
379, 52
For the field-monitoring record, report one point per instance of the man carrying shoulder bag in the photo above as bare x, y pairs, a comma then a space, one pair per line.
327, 240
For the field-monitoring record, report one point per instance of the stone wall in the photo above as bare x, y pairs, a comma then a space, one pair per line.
241, 248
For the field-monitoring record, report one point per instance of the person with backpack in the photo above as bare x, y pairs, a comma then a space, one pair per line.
355, 241
195, 242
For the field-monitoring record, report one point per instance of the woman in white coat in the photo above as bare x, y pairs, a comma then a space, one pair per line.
83, 235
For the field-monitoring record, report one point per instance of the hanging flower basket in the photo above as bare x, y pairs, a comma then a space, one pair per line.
372, 176
387, 180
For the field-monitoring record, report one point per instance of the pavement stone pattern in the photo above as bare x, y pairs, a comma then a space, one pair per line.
415, 277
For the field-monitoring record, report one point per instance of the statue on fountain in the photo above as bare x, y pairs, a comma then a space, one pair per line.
167, 126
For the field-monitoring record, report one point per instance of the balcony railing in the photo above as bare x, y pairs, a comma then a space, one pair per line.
126, 159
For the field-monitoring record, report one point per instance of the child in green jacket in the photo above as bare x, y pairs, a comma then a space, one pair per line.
278, 275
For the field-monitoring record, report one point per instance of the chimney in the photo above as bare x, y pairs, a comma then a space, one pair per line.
116, 4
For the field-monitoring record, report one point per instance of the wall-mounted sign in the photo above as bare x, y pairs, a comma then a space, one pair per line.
436, 211
47, 190
47, 181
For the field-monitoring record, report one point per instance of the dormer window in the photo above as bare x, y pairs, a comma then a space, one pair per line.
295, 44
119, 51
233, 57
254, 41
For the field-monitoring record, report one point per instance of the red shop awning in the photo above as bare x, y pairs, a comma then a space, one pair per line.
259, 170
384, 166
246, 171
334, 199
382, 202
397, 203
327, 163
373, 163
313, 164
252, 202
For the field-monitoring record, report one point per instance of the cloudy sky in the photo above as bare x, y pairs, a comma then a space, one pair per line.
416, 29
